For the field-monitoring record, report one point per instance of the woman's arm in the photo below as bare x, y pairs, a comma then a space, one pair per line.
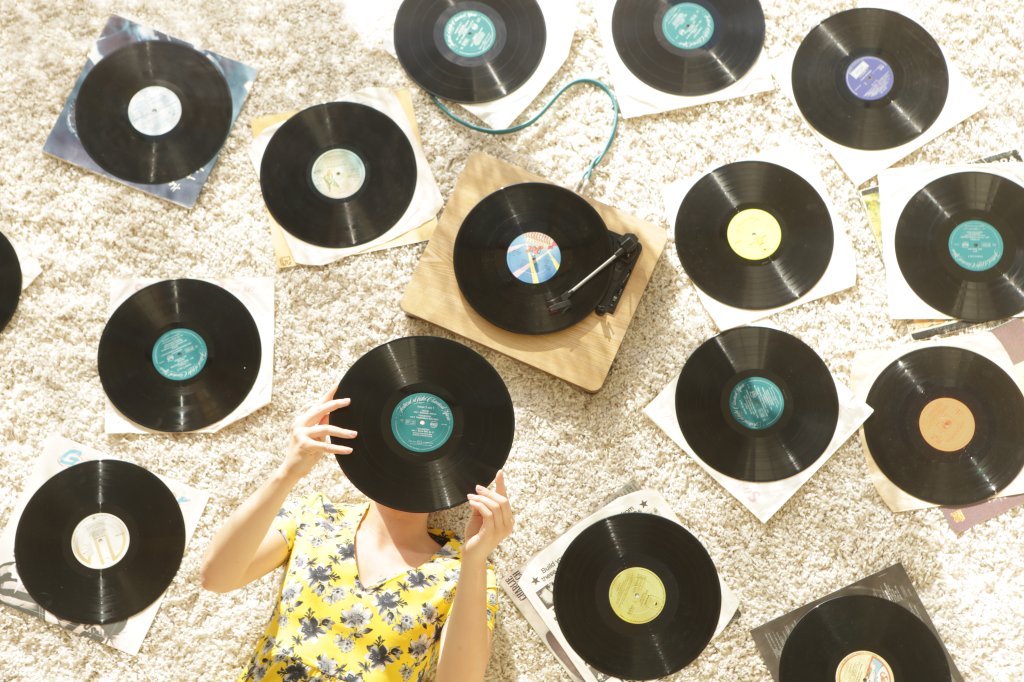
245, 548
465, 639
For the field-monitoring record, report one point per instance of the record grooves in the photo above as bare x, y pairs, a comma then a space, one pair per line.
637, 596
862, 637
960, 246
179, 355
10, 281
757, 404
468, 51
870, 79
153, 112
946, 426
99, 541
526, 244
338, 175
688, 48
754, 235
434, 420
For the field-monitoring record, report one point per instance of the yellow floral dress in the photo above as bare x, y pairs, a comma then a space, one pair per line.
329, 627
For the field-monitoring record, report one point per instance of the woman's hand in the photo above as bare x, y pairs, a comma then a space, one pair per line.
310, 437
491, 522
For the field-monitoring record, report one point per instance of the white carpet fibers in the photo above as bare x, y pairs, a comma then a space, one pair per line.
571, 449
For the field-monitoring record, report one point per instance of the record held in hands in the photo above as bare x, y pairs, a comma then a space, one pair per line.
754, 235
637, 596
870, 79
470, 51
10, 281
960, 246
338, 174
434, 420
757, 404
525, 245
688, 47
99, 541
153, 112
946, 426
179, 355
860, 637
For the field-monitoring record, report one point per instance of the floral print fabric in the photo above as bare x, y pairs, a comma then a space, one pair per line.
329, 627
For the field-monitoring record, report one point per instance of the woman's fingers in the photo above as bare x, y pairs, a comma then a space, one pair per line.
498, 522
313, 415
502, 508
486, 515
499, 483
321, 430
325, 446
330, 394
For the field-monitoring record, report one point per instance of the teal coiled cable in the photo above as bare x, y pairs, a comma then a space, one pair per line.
516, 128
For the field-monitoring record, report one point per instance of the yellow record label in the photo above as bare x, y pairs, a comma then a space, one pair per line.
754, 234
864, 666
637, 595
947, 424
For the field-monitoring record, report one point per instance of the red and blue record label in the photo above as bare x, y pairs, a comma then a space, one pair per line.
870, 78
534, 257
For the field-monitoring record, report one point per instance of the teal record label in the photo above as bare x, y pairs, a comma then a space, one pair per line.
533, 257
470, 34
422, 422
688, 26
975, 245
179, 354
756, 403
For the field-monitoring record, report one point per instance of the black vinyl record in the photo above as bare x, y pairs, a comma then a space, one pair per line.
179, 355
870, 79
153, 112
960, 246
99, 541
526, 244
338, 174
10, 281
757, 404
467, 50
637, 596
691, 47
946, 426
860, 637
434, 420
754, 235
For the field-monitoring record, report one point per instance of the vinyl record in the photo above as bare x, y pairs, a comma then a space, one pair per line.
960, 246
688, 47
10, 281
153, 112
99, 542
434, 420
754, 235
870, 79
468, 51
526, 244
179, 355
757, 404
338, 174
637, 596
946, 426
860, 637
